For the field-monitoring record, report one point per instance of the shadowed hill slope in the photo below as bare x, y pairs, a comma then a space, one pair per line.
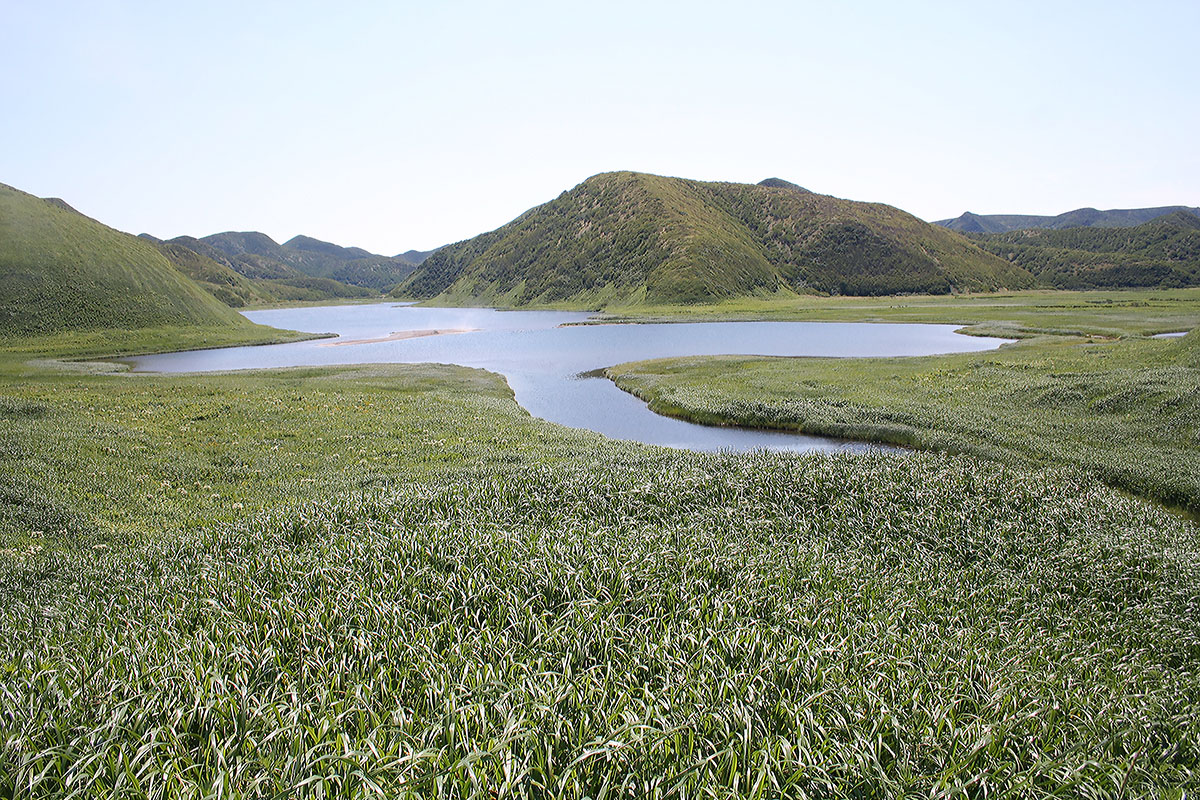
1162, 253
628, 237
226, 284
351, 265
415, 257
265, 278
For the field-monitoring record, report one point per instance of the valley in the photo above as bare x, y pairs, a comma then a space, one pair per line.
393, 578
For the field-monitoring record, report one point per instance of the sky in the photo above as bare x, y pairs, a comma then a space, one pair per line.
407, 125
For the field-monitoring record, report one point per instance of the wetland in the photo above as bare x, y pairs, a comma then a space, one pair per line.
554, 366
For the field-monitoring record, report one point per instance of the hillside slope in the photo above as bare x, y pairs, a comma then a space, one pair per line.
415, 257
262, 273
1079, 218
61, 270
227, 285
626, 237
1161, 253
351, 265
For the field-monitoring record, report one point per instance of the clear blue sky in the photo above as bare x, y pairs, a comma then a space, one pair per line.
397, 125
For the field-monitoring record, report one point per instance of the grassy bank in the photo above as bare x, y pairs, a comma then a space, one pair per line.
1127, 412
392, 581
117, 342
1012, 314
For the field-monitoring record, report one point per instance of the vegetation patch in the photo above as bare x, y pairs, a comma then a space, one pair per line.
1164, 252
1127, 412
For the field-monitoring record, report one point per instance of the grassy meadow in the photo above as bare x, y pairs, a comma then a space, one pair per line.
391, 581
1126, 412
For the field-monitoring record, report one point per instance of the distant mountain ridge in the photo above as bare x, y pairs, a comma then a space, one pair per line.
1162, 252
627, 237
250, 278
248, 267
415, 257
1079, 218
317, 259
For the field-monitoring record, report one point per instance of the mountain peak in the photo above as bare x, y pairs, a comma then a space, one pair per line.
58, 202
780, 183
310, 244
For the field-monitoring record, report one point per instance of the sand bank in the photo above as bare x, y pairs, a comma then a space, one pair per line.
398, 335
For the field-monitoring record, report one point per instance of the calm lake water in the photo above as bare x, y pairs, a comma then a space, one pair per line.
543, 362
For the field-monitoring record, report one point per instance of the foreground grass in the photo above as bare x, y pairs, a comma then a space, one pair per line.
391, 581
1127, 412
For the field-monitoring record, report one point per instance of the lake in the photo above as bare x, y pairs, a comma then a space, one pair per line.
544, 362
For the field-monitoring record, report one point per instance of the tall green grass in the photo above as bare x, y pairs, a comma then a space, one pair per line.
429, 593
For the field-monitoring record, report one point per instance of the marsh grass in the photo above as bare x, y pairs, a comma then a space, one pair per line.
426, 592
1016, 314
807, 627
1127, 412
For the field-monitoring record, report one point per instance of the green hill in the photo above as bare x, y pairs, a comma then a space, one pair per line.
351, 265
1161, 253
1079, 218
415, 257
63, 271
235, 243
628, 237
780, 183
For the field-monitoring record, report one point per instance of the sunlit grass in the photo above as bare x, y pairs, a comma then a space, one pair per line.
1127, 412
426, 592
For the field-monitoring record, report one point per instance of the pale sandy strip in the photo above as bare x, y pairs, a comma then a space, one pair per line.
398, 335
